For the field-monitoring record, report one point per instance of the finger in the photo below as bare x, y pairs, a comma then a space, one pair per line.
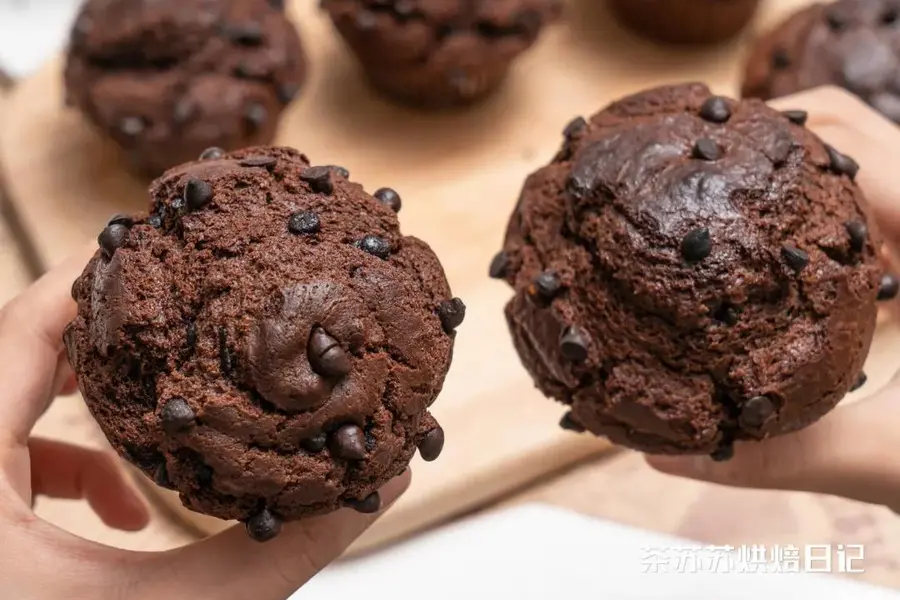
61, 470
850, 452
31, 328
239, 568
64, 382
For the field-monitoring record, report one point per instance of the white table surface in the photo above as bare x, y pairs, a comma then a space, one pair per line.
538, 552
31, 31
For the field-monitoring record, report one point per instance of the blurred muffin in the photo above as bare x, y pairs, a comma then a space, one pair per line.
166, 79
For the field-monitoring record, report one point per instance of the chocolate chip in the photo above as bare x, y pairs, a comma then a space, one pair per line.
756, 411
706, 149
574, 344
126, 220
404, 8
341, 171
349, 442
499, 266
715, 109
890, 16
176, 415
575, 126
389, 198
859, 235
723, 453
304, 222
729, 316
316, 443
197, 193
834, 20
205, 475
365, 20
375, 246
451, 313
183, 111
795, 258
326, 356
696, 245
319, 179
212, 153
368, 505
263, 162
841, 163
780, 59
570, 424
432, 444
890, 285
546, 285
256, 115
155, 221
245, 34
286, 92
112, 238
263, 526
797, 117
131, 126
226, 359
860, 381
161, 477
191, 335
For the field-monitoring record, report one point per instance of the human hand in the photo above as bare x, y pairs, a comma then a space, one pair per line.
39, 561
851, 452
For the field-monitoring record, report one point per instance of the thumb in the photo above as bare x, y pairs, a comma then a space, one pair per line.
849, 452
231, 566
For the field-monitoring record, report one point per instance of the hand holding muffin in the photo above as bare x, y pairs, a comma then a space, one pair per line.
850, 451
40, 561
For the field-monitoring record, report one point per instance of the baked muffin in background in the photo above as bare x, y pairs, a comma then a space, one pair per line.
265, 341
439, 53
854, 44
691, 270
685, 21
166, 79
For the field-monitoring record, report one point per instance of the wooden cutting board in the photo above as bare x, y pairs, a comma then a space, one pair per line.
459, 175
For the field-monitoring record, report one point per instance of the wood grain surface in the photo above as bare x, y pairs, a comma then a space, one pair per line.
459, 174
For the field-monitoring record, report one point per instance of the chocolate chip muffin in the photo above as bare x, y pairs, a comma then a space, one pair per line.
167, 78
439, 53
265, 341
685, 21
854, 44
691, 270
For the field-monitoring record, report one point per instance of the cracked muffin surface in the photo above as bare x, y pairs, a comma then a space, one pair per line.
692, 270
265, 341
439, 53
165, 79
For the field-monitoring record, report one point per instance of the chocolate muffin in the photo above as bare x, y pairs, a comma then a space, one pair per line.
439, 54
167, 78
854, 44
265, 341
692, 270
685, 21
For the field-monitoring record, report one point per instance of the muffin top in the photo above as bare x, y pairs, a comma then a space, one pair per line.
683, 255
266, 337
167, 78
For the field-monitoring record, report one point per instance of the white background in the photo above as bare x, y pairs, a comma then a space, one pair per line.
32, 31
